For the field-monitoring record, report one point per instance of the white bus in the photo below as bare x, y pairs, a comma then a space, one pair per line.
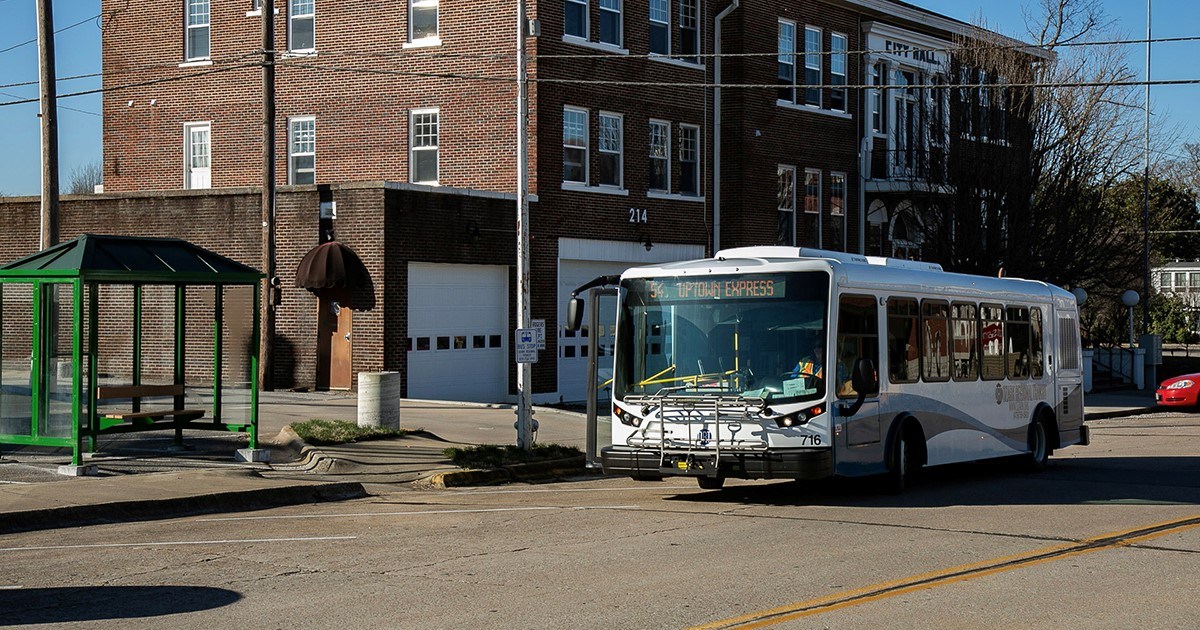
783, 362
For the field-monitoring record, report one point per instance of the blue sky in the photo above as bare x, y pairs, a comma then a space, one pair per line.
79, 53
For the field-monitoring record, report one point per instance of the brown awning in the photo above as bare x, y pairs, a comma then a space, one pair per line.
331, 265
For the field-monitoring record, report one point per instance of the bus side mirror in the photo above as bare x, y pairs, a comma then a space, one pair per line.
864, 379
574, 314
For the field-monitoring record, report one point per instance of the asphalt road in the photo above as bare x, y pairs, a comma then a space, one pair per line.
1108, 537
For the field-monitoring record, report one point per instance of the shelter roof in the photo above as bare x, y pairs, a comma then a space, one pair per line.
132, 259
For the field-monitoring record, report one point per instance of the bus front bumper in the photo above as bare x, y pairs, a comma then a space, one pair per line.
775, 464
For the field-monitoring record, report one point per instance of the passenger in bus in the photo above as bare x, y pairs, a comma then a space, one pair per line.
845, 364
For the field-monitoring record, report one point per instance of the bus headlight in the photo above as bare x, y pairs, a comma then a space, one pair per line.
797, 418
626, 418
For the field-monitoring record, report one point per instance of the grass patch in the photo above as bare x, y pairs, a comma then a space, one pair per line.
319, 432
494, 456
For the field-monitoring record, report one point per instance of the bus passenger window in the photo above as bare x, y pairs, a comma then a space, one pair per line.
991, 333
1036, 369
965, 333
935, 351
903, 344
1016, 342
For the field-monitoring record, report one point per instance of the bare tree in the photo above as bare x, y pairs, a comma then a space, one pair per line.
85, 178
1043, 143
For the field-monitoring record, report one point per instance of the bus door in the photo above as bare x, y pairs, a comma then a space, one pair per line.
1066, 368
858, 441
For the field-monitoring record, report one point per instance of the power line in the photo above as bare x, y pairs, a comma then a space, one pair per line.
118, 88
34, 40
132, 69
60, 106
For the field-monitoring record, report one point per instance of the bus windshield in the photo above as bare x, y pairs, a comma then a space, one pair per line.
759, 335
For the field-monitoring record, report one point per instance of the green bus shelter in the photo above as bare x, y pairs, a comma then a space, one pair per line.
98, 335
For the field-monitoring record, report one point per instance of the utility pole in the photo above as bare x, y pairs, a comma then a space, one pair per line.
49, 115
1146, 197
524, 370
267, 339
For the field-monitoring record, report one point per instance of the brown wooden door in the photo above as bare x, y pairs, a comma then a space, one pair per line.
334, 341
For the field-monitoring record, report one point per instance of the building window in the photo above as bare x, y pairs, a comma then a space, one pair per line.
301, 25
575, 145
689, 160
964, 96
660, 27
575, 18
197, 157
689, 23
985, 106
610, 22
786, 197
422, 20
837, 194
197, 30
423, 146
787, 61
302, 150
812, 66
660, 156
812, 191
610, 148
878, 115
837, 71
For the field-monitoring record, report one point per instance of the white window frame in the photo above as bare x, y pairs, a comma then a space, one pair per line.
428, 40
189, 154
666, 156
782, 207
683, 127
787, 58
413, 149
189, 30
292, 154
586, 149
620, 11
878, 102
587, 26
835, 57
665, 23
620, 152
811, 56
293, 18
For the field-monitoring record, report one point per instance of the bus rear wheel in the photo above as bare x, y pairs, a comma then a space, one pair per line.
711, 483
1039, 447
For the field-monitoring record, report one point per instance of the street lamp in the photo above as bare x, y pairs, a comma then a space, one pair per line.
1130, 299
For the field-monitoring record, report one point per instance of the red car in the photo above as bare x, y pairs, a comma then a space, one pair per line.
1180, 391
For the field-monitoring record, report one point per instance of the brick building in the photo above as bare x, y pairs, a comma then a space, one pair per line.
623, 164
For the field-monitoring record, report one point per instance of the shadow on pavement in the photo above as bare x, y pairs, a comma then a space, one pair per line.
1132, 480
94, 603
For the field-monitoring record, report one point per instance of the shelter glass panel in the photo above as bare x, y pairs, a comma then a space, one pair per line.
58, 302
237, 350
16, 359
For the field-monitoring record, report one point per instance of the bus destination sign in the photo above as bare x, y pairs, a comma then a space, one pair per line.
762, 287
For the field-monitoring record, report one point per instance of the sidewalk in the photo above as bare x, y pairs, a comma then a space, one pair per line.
142, 478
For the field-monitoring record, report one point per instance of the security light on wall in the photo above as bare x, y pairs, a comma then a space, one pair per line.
328, 209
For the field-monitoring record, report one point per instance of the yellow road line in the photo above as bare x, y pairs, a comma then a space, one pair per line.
951, 575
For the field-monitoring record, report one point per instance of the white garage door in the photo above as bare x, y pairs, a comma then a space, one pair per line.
458, 332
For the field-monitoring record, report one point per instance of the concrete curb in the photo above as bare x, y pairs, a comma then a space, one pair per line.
537, 471
157, 509
1120, 413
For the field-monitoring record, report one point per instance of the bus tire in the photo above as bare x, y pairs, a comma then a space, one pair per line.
904, 463
646, 477
711, 483
1039, 447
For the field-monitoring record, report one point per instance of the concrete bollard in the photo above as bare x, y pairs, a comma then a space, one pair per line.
379, 399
